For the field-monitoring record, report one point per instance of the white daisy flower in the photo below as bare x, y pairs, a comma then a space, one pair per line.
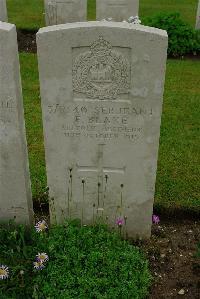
41, 226
4, 272
42, 257
38, 265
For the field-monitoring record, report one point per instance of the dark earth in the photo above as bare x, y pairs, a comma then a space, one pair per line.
172, 249
172, 253
26, 41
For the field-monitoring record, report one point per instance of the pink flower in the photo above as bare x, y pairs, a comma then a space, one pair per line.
155, 219
120, 221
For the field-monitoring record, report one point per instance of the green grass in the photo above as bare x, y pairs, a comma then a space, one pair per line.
186, 8
178, 177
84, 263
178, 174
91, 10
33, 117
29, 14
26, 14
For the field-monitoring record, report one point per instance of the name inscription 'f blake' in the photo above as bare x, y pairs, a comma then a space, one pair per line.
101, 73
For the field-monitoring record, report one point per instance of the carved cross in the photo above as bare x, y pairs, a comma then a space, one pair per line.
100, 168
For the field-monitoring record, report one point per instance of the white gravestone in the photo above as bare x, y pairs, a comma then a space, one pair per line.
15, 191
3, 11
102, 104
198, 17
118, 10
65, 11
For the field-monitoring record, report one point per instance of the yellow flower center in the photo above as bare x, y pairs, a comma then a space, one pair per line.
38, 264
42, 226
3, 272
41, 257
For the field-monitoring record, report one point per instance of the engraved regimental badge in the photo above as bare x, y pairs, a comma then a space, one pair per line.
101, 73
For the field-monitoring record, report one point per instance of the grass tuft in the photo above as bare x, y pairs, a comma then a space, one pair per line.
84, 262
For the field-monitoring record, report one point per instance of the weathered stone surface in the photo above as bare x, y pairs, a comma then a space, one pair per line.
15, 192
198, 17
102, 103
65, 11
118, 10
3, 11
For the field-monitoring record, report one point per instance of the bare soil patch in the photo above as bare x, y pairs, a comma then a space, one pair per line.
174, 265
26, 41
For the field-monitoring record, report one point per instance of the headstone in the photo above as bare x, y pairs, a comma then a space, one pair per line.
118, 10
15, 191
102, 103
3, 11
65, 11
198, 17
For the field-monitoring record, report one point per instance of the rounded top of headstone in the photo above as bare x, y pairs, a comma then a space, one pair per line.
97, 24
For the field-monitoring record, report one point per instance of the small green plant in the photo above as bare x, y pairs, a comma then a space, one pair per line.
70, 261
198, 250
183, 39
196, 263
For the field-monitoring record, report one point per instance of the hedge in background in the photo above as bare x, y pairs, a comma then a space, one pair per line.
183, 39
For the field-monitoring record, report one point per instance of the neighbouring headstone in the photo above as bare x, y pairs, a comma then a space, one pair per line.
198, 17
15, 191
102, 105
65, 11
3, 11
118, 10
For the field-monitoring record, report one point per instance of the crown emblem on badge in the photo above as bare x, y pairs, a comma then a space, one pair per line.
101, 73
101, 46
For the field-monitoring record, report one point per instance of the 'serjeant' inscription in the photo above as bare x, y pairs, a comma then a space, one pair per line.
101, 122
